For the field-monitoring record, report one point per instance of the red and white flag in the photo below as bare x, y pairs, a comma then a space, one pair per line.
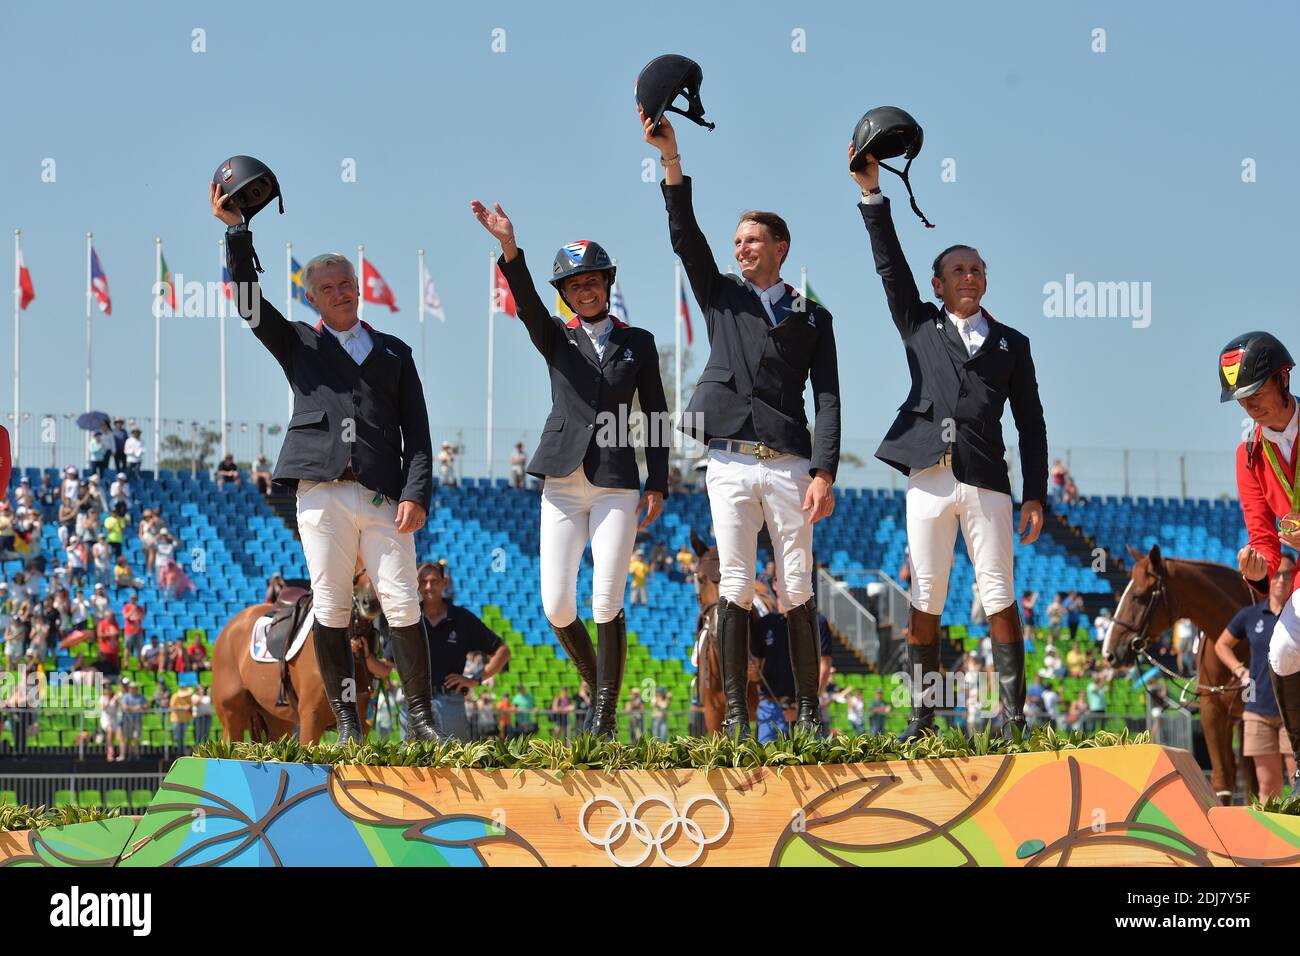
27, 291
99, 284
503, 299
376, 289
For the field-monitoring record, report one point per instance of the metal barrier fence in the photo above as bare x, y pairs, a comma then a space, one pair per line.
77, 734
125, 790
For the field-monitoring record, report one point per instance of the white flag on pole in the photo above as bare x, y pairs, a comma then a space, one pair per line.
431, 300
617, 307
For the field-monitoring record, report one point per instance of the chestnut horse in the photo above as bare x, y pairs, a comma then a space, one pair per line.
244, 691
708, 677
1162, 590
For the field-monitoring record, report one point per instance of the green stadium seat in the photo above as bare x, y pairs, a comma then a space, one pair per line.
116, 799
90, 799
63, 798
140, 799
8, 798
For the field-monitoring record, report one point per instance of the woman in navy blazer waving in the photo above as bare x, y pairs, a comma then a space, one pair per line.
587, 453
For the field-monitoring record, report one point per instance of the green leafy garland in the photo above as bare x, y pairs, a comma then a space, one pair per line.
38, 818
587, 752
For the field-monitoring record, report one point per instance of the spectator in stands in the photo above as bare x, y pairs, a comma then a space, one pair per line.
525, 706
150, 525
99, 602
1055, 617
23, 496
475, 666
674, 480
686, 562
38, 637
1052, 663
70, 489
227, 472
134, 704
110, 722
196, 655
1071, 491
134, 455
1076, 718
274, 585
202, 714
118, 438
93, 495
151, 655
108, 633
635, 710
175, 657
879, 710
517, 463
1101, 625
101, 449
562, 708
1051, 704
639, 569
67, 517
1029, 610
103, 559
1076, 662
123, 576
76, 562
7, 533
261, 475
1073, 613
446, 465
15, 641
47, 498
659, 713
164, 551
181, 705
856, 707
582, 703
1096, 694
120, 491
1056, 487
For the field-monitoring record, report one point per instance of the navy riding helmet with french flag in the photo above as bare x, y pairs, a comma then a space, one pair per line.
575, 258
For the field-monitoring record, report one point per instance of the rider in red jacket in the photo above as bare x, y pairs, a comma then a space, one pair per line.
1255, 370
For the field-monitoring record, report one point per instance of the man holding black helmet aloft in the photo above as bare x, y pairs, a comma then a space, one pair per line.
947, 439
356, 450
765, 342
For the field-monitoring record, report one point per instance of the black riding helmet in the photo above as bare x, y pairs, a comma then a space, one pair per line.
886, 132
249, 183
579, 257
1247, 362
663, 80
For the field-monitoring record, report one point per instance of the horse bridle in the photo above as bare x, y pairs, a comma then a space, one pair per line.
1160, 594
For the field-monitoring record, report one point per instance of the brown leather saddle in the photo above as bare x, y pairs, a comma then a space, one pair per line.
286, 617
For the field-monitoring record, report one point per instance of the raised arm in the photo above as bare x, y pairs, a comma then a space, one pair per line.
683, 231
891, 265
268, 324
531, 309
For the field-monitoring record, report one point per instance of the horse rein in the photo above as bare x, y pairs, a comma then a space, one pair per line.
1160, 593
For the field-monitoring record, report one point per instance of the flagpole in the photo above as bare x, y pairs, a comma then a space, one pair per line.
803, 282
288, 299
157, 354
221, 324
18, 299
492, 292
90, 236
421, 301
677, 354
361, 279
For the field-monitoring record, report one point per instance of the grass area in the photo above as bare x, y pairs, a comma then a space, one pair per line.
38, 818
586, 752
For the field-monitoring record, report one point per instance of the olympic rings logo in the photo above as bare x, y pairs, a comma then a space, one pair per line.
653, 843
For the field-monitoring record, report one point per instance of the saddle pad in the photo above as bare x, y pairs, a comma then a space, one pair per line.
257, 646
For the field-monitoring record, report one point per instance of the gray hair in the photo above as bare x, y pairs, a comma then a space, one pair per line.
328, 259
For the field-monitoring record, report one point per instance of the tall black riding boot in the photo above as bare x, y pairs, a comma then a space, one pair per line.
733, 656
1009, 663
411, 651
576, 642
805, 662
924, 676
1287, 691
611, 659
338, 677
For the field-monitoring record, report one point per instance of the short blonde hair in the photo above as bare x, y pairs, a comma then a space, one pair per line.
320, 262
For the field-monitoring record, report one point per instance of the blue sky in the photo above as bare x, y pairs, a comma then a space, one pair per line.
1121, 166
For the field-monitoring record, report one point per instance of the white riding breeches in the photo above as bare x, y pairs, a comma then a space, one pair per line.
336, 519
573, 512
743, 493
936, 504
1284, 647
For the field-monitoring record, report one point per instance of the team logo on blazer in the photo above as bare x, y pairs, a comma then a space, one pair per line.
627, 355
1002, 344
